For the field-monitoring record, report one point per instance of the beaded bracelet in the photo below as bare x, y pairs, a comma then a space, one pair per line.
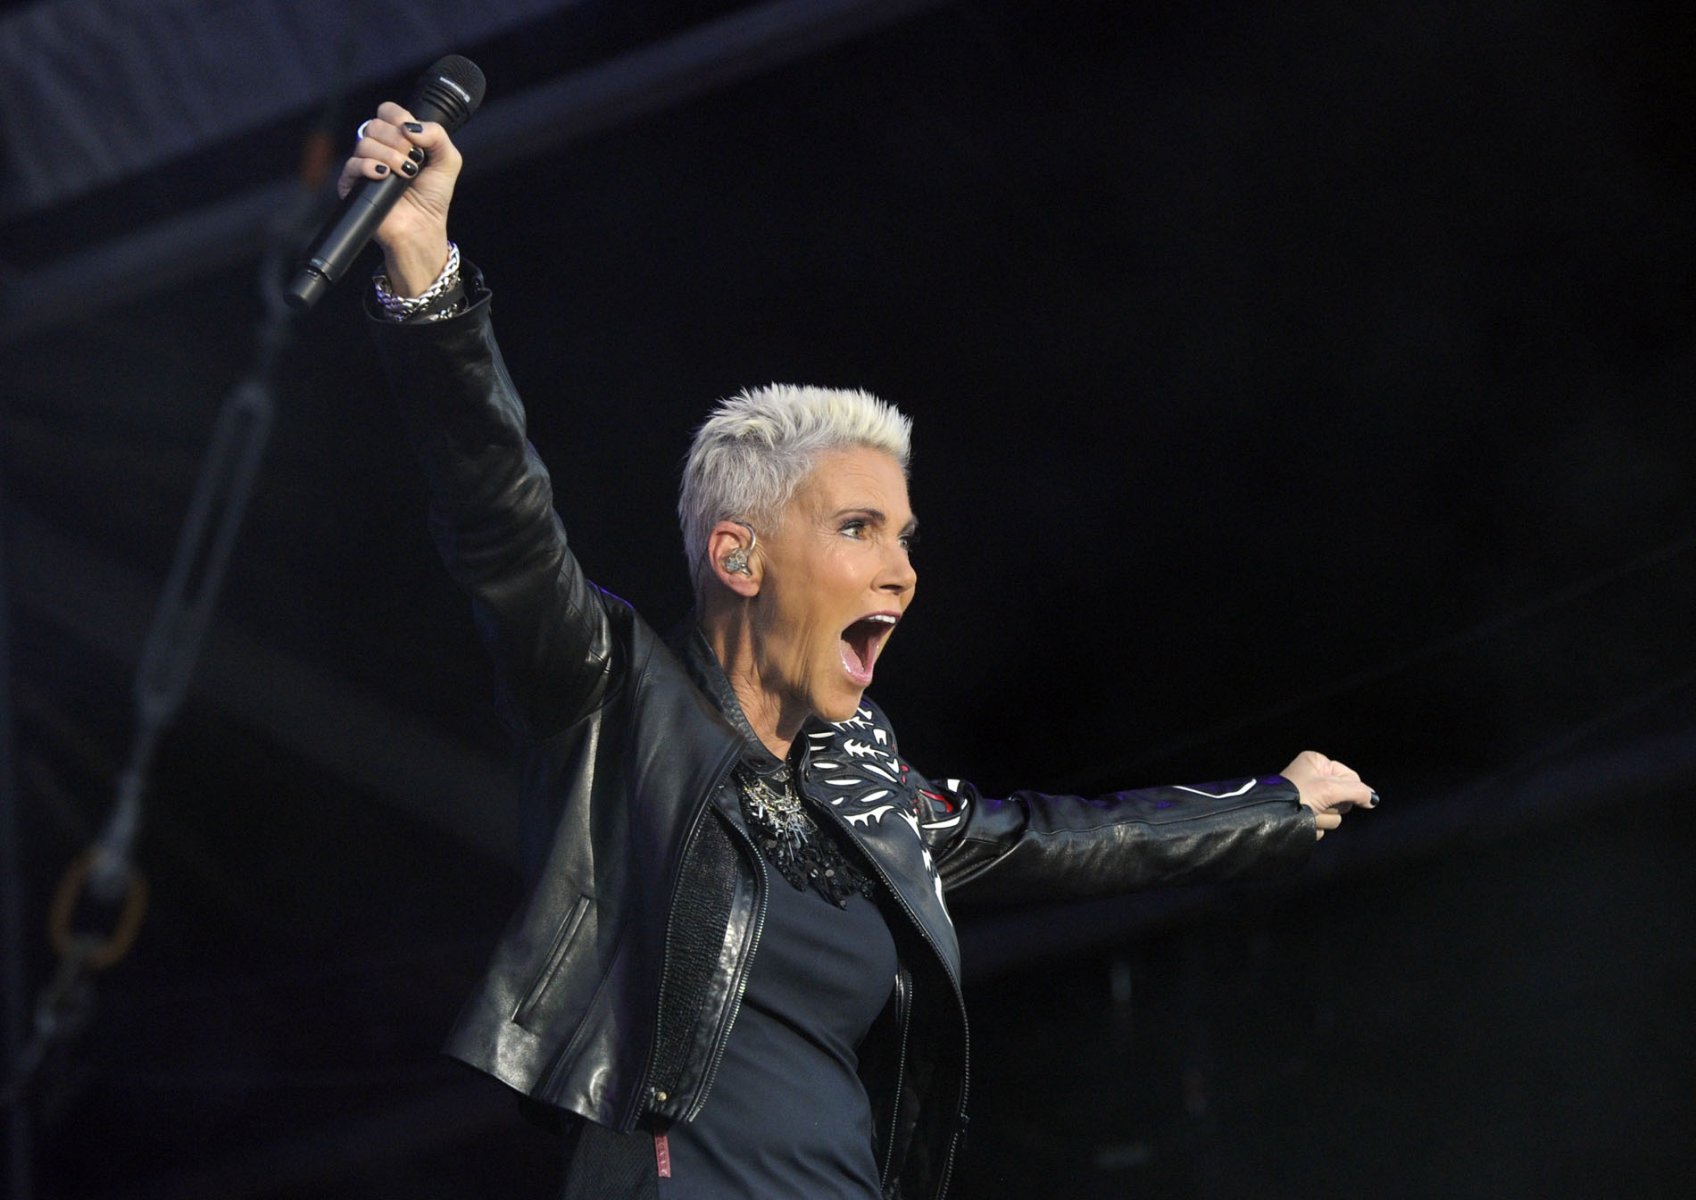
440, 300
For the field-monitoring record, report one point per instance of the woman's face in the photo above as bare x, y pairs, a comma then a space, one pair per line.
836, 579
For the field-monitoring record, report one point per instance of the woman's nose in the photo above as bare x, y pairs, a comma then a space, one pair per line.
899, 575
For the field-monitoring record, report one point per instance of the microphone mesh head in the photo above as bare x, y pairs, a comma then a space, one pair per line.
449, 92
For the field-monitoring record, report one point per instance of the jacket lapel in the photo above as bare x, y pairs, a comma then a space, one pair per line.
852, 766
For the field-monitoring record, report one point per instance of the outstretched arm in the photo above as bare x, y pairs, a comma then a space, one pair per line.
1031, 846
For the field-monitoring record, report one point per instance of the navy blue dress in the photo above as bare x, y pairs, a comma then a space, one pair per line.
787, 1115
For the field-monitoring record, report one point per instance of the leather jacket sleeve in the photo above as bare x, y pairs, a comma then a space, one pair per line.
1031, 846
492, 517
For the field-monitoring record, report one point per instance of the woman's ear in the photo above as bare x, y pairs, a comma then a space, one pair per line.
732, 550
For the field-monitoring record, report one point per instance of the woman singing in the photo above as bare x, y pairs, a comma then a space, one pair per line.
735, 975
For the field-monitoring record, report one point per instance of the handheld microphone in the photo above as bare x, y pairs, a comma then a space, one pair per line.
449, 92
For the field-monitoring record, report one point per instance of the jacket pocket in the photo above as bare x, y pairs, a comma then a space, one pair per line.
530, 1006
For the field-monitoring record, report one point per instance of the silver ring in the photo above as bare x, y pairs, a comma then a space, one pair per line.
359, 134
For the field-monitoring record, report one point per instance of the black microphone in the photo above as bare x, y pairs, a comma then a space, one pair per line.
449, 92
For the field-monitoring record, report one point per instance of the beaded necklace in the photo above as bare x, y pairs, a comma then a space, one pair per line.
791, 839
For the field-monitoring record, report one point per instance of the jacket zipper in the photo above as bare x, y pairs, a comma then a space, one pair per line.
904, 1014
948, 970
643, 1093
761, 885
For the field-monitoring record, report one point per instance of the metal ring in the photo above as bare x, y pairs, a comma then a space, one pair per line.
100, 953
359, 134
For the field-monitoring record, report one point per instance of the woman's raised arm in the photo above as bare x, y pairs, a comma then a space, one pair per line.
491, 510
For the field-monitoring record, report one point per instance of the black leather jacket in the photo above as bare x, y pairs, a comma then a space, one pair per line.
614, 990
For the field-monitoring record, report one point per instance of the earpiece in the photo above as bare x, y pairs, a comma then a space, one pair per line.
736, 562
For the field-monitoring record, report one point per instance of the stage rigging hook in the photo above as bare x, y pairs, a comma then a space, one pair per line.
106, 872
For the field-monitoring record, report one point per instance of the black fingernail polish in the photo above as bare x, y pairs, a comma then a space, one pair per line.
1373, 803
380, 169
409, 168
416, 155
414, 127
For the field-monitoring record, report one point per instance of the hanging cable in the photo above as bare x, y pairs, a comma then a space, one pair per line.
106, 874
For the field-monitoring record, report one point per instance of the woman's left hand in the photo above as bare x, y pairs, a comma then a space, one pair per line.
1329, 788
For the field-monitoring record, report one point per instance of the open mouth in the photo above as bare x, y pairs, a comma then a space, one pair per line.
861, 643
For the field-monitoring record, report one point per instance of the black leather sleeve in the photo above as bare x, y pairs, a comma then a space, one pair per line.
1031, 846
493, 519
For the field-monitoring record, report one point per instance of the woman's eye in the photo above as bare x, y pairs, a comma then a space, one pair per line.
854, 528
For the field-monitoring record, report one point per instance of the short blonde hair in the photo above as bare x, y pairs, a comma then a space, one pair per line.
754, 449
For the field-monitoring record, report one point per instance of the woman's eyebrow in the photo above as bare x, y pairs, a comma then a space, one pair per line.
877, 515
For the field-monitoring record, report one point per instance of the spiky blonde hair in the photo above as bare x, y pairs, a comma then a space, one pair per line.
754, 449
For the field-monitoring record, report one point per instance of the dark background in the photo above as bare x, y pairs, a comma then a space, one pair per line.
1284, 375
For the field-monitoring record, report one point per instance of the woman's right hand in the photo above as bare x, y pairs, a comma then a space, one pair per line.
414, 235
